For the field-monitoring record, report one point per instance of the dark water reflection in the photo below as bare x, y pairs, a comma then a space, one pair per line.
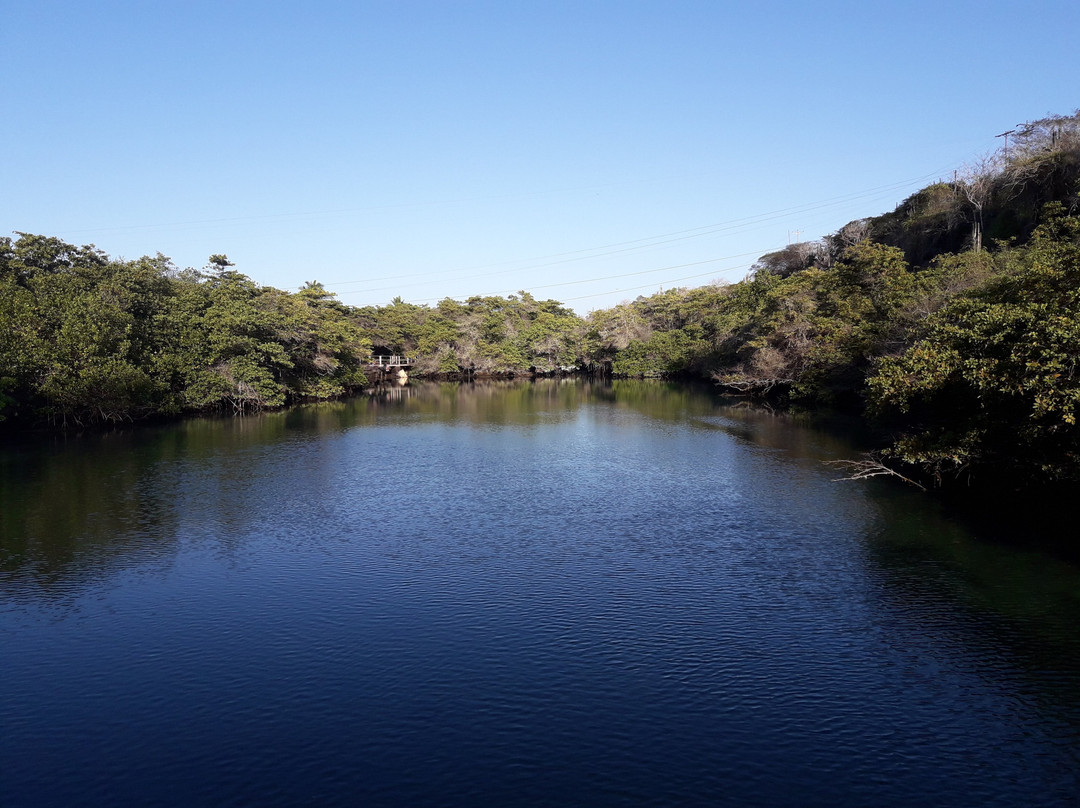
516, 594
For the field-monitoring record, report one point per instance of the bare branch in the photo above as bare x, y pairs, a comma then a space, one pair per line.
752, 387
868, 467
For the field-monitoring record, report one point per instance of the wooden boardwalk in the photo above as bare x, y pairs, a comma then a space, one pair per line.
392, 362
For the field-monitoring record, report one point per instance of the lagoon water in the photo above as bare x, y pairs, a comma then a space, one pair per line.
559, 593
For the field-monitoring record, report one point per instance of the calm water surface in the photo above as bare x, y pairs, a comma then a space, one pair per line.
546, 594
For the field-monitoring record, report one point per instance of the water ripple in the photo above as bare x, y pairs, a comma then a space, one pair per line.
610, 604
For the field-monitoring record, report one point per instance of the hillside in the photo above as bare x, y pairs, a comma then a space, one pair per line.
951, 322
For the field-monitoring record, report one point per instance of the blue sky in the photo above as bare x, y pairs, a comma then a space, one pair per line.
586, 151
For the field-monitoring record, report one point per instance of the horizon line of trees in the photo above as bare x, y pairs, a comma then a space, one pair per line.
950, 321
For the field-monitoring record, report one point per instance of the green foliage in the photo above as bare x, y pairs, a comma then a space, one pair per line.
665, 353
86, 339
953, 320
993, 384
670, 333
814, 332
489, 335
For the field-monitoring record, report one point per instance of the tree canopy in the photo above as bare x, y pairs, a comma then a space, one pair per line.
88, 339
950, 321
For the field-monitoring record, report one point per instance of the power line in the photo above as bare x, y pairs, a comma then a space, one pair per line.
616, 277
741, 223
649, 285
641, 243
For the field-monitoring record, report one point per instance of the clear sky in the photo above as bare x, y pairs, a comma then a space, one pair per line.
588, 151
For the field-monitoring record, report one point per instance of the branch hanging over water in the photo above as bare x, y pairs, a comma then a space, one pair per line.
868, 467
752, 387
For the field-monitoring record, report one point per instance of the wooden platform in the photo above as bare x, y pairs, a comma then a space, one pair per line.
392, 362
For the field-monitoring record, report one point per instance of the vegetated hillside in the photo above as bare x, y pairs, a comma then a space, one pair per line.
951, 321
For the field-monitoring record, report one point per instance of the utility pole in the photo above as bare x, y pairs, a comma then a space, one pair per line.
1006, 136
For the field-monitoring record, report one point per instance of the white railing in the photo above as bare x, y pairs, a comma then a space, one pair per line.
392, 361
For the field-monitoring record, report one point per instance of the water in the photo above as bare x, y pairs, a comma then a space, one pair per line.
516, 594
